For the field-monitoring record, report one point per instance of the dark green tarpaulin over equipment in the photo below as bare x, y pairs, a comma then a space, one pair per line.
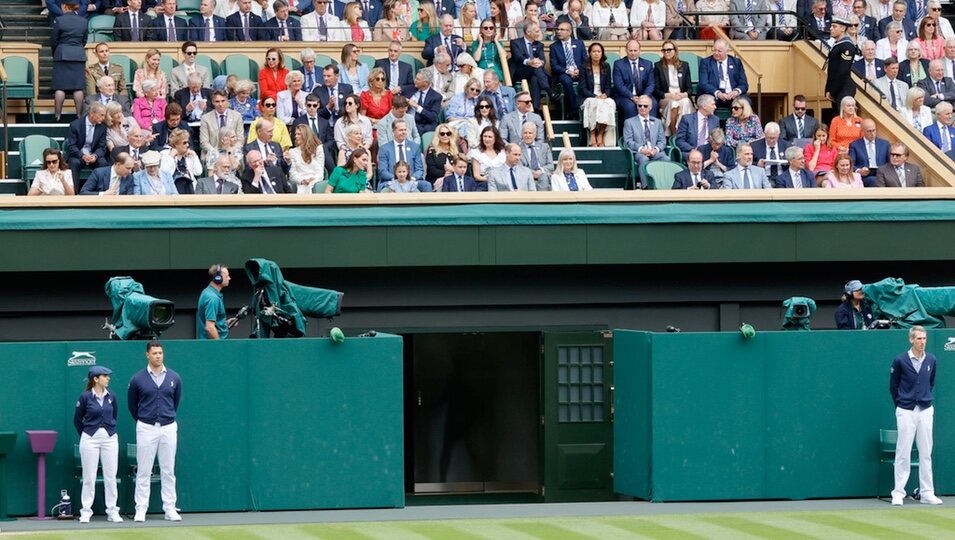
136, 314
280, 306
910, 305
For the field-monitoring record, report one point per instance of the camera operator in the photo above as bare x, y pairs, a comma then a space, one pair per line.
211, 322
854, 313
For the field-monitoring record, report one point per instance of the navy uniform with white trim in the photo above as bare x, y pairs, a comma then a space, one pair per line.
839, 74
95, 422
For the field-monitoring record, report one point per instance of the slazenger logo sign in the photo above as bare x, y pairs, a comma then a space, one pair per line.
80, 358
949, 345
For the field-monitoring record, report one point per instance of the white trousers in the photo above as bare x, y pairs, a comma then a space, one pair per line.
150, 441
99, 447
914, 425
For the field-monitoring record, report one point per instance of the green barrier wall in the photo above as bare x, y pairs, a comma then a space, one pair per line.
263, 424
786, 415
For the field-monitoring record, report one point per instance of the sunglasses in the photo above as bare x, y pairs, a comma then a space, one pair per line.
487, 28
445, 134
272, 59
799, 108
53, 161
269, 105
930, 24
897, 155
642, 106
524, 101
379, 78
484, 106
190, 53
311, 105
854, 25
668, 50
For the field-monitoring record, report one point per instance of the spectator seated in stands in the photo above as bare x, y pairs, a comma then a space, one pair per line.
424, 101
152, 180
893, 88
693, 129
332, 94
149, 109
769, 151
868, 25
708, 23
166, 26
111, 180
457, 179
869, 67
104, 68
281, 26
893, 44
308, 70
820, 153
206, 26
401, 181
846, 127
937, 86
722, 75
463, 107
643, 135
400, 149
351, 116
307, 160
568, 176
672, 87
512, 176
648, 19
743, 125
181, 162
440, 156
536, 156
632, 78
502, 97
487, 155
468, 24
530, 14
262, 177
86, 143
445, 41
941, 132
898, 172
322, 24
868, 153
221, 117
222, 181
427, 23
567, 58
280, 134
745, 176
179, 77
54, 178
272, 76
900, 17
132, 25
913, 69
487, 49
389, 26
265, 141
746, 26
795, 176
943, 26
242, 102
356, 28
244, 25
399, 109
398, 74
351, 71
467, 70
118, 127
353, 175
797, 125
320, 127
819, 20
376, 101
228, 147
949, 58
785, 25
106, 87
512, 124
915, 112
353, 141
695, 176
599, 111
160, 131
580, 23
150, 71
442, 77
609, 18
194, 99
842, 176
138, 144
929, 40
291, 102
718, 157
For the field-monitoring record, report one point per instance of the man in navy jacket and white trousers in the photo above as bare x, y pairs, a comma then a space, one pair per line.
911, 381
153, 398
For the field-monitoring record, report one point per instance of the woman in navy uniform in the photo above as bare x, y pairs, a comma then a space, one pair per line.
67, 39
95, 422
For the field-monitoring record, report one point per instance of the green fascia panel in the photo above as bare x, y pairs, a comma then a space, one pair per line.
557, 244
689, 243
433, 246
631, 431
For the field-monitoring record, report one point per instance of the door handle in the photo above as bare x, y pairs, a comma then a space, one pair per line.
611, 403
419, 398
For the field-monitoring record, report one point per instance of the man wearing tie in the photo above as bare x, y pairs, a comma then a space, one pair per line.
744, 24
745, 176
243, 25
397, 73
322, 24
332, 94
179, 76
86, 143
949, 58
444, 41
222, 181
893, 88
770, 150
512, 176
399, 149
271, 151
868, 153
194, 99
797, 125
694, 129
511, 125
320, 127
579, 23
282, 27
260, 177
220, 117
643, 135
458, 180
632, 77
722, 75
795, 176
133, 24
166, 27
106, 95
536, 156
501, 96
527, 62
103, 67
566, 59
937, 86
869, 67
307, 56
941, 133
898, 173
424, 101
694, 177
206, 26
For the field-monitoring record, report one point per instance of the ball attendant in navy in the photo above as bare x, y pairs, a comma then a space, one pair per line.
95, 422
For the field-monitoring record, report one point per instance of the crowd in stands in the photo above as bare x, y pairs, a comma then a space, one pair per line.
454, 125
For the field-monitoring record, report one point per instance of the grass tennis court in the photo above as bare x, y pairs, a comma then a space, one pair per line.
911, 522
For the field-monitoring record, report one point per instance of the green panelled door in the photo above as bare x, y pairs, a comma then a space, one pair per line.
577, 420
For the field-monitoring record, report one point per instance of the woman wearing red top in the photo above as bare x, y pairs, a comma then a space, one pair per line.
376, 101
846, 127
272, 76
353, 22
820, 154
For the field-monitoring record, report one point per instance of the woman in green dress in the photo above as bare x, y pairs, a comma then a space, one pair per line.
427, 23
351, 178
488, 51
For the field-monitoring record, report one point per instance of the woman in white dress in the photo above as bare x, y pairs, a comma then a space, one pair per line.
291, 103
648, 18
915, 111
487, 155
117, 126
350, 117
484, 116
609, 19
179, 160
673, 86
567, 177
308, 160
54, 178
599, 110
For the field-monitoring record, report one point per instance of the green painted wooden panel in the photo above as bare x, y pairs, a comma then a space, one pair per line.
632, 430
548, 244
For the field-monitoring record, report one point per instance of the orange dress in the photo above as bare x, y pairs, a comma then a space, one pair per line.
271, 83
841, 134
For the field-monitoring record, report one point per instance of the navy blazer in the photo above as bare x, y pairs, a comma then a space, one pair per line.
197, 24
869, 27
294, 29
934, 134
257, 30
860, 158
859, 68
586, 84
450, 184
99, 181
158, 30
77, 139
785, 179
321, 91
427, 118
558, 58
661, 77
183, 96
437, 40
623, 78
688, 130
68, 39
905, 71
404, 72
684, 180
908, 27
726, 154
710, 76
122, 27
519, 53
325, 133
760, 151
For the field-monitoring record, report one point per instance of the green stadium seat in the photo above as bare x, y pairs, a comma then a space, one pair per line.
426, 141
242, 67
319, 187
415, 62
612, 57
660, 174
31, 150
21, 77
100, 28
189, 7
155, 503
292, 63
78, 483
209, 64
166, 64
129, 69
652, 57
693, 62
368, 60
887, 441
322, 60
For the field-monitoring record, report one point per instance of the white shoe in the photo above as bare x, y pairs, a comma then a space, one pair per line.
84, 519
930, 498
114, 517
173, 515
45, 11
140, 516
896, 500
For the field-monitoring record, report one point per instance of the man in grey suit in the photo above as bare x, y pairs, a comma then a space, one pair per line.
892, 173
536, 156
643, 135
512, 124
797, 125
107, 93
937, 86
512, 176
221, 116
222, 181
744, 25
891, 86
179, 78
745, 176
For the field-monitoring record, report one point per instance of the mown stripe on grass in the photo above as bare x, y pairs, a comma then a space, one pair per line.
333, 531
912, 522
597, 528
933, 517
855, 526
650, 529
755, 528
546, 531
443, 531
387, 531
816, 530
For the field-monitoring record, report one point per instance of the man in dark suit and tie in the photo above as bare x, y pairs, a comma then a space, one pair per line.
898, 173
579, 23
206, 26
795, 175
941, 132
397, 73
567, 56
371, 10
694, 177
797, 125
86, 143
869, 67
222, 181
424, 101
459, 181
270, 150
819, 20
258, 177
313, 74
527, 62
899, 15
138, 145
722, 75
444, 41
194, 99
868, 153
243, 25
332, 94
106, 95
132, 24
868, 26
282, 27
320, 127
632, 78
937, 86
694, 128
166, 26
111, 180
770, 148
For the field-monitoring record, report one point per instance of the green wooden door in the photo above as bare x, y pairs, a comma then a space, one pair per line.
578, 416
